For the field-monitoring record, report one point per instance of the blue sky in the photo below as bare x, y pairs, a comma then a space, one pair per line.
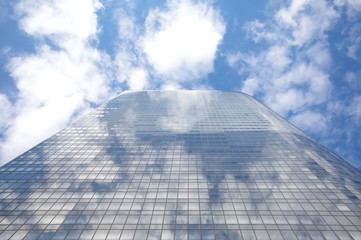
61, 58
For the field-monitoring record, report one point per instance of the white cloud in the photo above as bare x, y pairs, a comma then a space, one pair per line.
300, 18
319, 55
54, 83
291, 74
291, 99
52, 74
291, 70
251, 86
127, 28
278, 57
354, 110
130, 67
176, 46
138, 79
353, 80
171, 86
6, 111
288, 14
353, 7
256, 31
351, 43
67, 73
181, 43
310, 121
57, 19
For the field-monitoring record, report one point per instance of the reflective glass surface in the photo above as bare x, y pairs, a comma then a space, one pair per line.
180, 165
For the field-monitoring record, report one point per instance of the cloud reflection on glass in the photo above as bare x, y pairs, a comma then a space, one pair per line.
179, 165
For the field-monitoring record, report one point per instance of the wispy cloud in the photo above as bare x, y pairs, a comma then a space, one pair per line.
307, 120
129, 64
62, 78
291, 73
292, 70
7, 111
352, 28
354, 109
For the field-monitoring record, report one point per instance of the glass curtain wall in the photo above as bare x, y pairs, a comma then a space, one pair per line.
180, 165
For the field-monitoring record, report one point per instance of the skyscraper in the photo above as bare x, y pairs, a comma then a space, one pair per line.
180, 165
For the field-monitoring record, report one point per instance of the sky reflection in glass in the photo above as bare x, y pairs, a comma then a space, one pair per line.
180, 165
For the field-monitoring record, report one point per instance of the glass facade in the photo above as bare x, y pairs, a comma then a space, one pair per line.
180, 165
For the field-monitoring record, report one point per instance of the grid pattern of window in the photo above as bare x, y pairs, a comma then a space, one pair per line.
180, 165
